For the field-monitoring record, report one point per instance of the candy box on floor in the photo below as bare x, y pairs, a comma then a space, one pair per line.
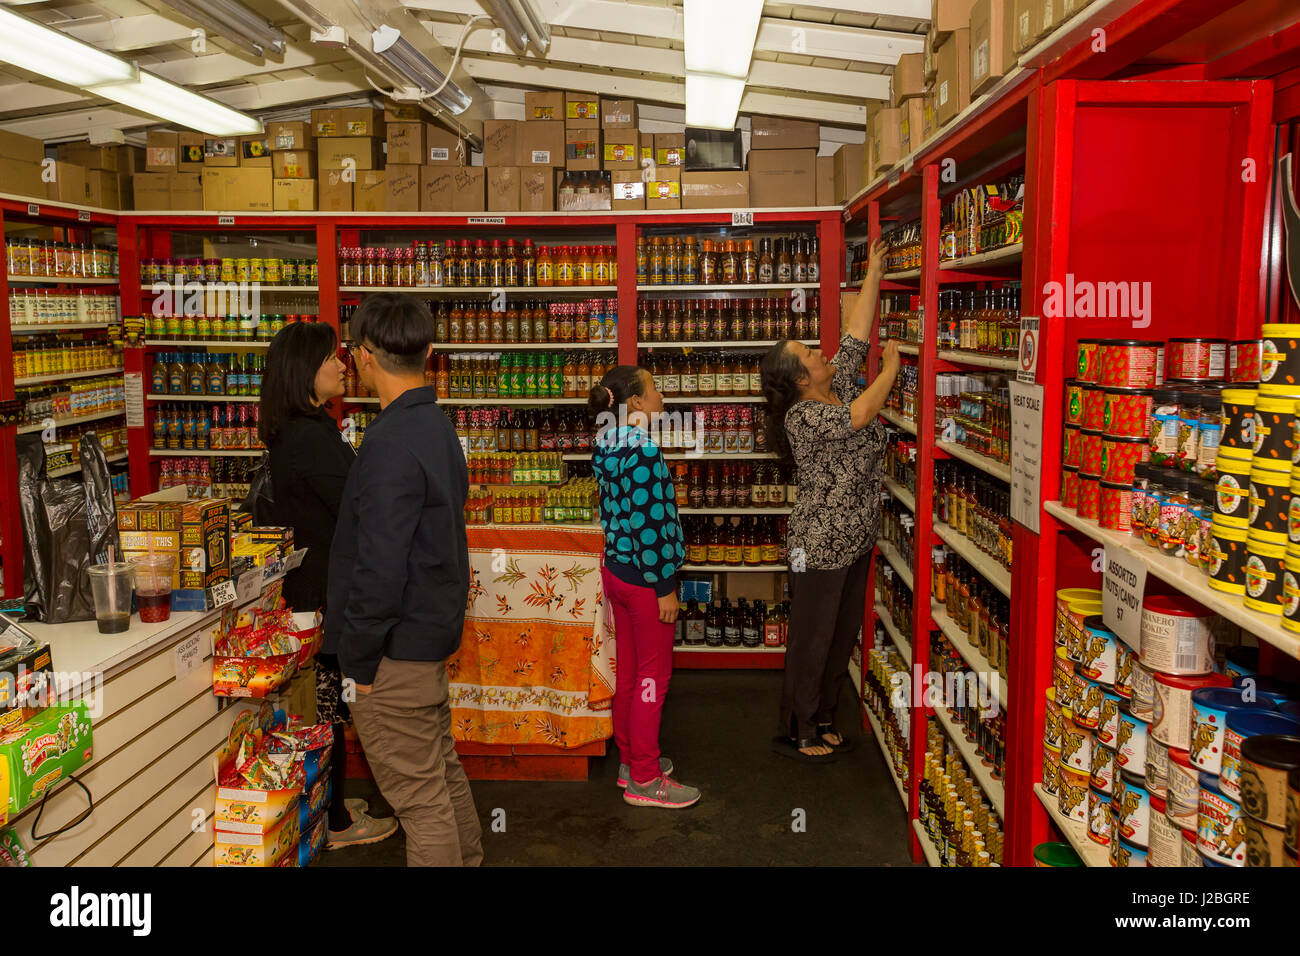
240, 807
313, 803
313, 840
256, 849
39, 753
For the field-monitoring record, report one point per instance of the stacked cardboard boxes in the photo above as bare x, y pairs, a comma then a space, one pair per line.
623, 148
171, 178
783, 161
417, 151
350, 142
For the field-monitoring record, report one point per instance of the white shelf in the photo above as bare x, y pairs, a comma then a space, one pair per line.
72, 420
726, 568
704, 648
1003, 256
1193, 582
927, 847
735, 511
992, 571
983, 776
905, 274
58, 327
757, 287
878, 733
64, 280
714, 399
210, 343
889, 415
1092, 854
259, 286
718, 456
904, 646
73, 469
983, 360
63, 376
520, 346
743, 344
982, 462
902, 494
366, 400
896, 559
204, 398
537, 290
970, 654
494, 400
205, 453
907, 348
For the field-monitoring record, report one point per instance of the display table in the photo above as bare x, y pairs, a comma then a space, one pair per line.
533, 681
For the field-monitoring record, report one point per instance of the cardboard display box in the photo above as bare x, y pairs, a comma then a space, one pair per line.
353, 121
908, 78
500, 142
952, 86
621, 149
664, 191
782, 177
406, 143
911, 122
581, 109
37, 754
582, 148
884, 135
947, 16
627, 189
825, 179
290, 135
333, 192
370, 191
293, 164
368, 154
21, 178
24, 149
723, 189
221, 153
503, 187
243, 190
848, 161
539, 143
443, 148
618, 114
402, 184
68, 184
190, 152
670, 149
546, 105
777, 132
294, 195
453, 188
255, 152
536, 189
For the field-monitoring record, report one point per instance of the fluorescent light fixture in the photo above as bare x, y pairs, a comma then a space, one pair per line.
521, 23
712, 102
236, 23
38, 49
309, 15
168, 101
538, 31
720, 35
400, 54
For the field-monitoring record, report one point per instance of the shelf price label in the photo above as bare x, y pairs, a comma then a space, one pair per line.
223, 594
248, 586
33, 209
83, 216
742, 217
225, 220
1123, 580
485, 220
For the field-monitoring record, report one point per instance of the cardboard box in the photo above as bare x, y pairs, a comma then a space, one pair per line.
221, 153
1027, 19
503, 187
370, 191
395, 112
103, 189
592, 201
621, 149
911, 122
670, 149
453, 188
37, 754
582, 148
536, 189
442, 148
243, 190
152, 190
406, 143
947, 16
1070, 7
825, 179
986, 53
293, 164
500, 142
160, 152
664, 190
908, 78
130, 159
353, 121
952, 85
1049, 16
929, 123
647, 148
724, 189
22, 148
627, 189
618, 114
190, 152
88, 156
333, 192
185, 191
546, 105
782, 177
290, 135
68, 184
255, 152
540, 143
581, 109
402, 187
293, 195
884, 135
21, 178
368, 154
777, 132
848, 162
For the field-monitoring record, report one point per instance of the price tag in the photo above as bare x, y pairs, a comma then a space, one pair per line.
225, 220
1123, 581
186, 656
294, 559
33, 209
83, 216
248, 586
485, 220
745, 218
223, 594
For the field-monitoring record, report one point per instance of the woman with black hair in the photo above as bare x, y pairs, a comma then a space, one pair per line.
818, 417
309, 462
644, 550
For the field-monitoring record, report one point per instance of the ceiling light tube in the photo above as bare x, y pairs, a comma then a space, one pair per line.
309, 15
391, 47
720, 35
712, 102
511, 25
236, 24
538, 31
157, 97
39, 49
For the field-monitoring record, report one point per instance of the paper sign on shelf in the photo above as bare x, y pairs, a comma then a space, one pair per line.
133, 383
83, 216
223, 594
225, 220
186, 656
294, 559
248, 586
1026, 454
745, 218
1123, 580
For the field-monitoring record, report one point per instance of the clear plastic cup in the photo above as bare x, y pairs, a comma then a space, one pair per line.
111, 586
153, 586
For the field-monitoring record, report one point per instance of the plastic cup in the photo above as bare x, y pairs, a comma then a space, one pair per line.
111, 586
153, 586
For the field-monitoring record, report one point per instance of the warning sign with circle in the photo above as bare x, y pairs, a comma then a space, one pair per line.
1028, 365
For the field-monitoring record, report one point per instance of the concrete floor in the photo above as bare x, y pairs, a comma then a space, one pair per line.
717, 729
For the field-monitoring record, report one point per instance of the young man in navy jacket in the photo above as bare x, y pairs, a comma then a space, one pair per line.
398, 585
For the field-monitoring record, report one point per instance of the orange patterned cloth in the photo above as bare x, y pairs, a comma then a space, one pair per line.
536, 660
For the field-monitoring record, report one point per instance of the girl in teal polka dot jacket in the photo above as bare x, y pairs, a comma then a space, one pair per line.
644, 550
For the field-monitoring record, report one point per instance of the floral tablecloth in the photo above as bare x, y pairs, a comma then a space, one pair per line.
536, 660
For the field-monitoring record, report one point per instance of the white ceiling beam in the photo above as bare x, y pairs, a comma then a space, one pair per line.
124, 34
910, 9
840, 43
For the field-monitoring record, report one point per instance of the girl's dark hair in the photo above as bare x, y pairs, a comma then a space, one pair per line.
289, 381
781, 373
622, 381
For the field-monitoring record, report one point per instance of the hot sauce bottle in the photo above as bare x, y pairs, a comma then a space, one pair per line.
545, 267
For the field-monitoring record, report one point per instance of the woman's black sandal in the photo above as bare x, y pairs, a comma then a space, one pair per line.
844, 746
792, 747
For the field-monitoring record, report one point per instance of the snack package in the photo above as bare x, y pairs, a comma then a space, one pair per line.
255, 849
12, 851
37, 754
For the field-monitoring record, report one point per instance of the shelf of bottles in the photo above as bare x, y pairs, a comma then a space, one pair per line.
720, 625
34, 260
884, 699
982, 227
957, 824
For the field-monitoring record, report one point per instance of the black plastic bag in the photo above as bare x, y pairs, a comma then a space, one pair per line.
261, 493
68, 524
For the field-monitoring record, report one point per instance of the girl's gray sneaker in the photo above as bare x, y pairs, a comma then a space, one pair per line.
625, 772
663, 791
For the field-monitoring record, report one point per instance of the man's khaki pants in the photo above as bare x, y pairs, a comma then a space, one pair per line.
405, 726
